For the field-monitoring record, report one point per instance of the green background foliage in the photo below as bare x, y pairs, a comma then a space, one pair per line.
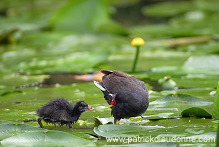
45, 45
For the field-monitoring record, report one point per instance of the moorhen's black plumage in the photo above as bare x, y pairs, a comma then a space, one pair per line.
60, 111
126, 95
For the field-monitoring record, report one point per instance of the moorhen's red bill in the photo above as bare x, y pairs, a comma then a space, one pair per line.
126, 95
60, 111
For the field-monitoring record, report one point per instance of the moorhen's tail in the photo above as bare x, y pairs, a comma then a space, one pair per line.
106, 72
107, 95
114, 73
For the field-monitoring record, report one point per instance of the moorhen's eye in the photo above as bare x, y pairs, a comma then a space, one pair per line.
81, 108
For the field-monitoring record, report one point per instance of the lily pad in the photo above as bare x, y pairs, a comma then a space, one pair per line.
123, 130
216, 104
181, 102
5, 122
156, 144
70, 17
206, 63
48, 138
75, 62
195, 111
14, 80
217, 136
104, 121
168, 9
158, 131
8, 130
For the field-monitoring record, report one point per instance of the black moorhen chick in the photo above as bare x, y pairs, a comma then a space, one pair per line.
126, 95
60, 111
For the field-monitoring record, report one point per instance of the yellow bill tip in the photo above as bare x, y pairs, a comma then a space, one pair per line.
110, 106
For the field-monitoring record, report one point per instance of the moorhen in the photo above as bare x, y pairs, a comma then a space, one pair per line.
60, 111
126, 95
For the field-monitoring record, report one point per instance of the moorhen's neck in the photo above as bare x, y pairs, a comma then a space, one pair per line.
76, 112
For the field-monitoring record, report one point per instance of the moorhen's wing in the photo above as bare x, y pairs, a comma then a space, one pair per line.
107, 95
62, 104
110, 84
63, 110
139, 83
127, 89
117, 82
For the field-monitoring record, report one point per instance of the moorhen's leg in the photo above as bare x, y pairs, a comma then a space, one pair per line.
39, 122
70, 125
119, 111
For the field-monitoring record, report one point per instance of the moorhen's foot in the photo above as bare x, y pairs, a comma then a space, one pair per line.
117, 122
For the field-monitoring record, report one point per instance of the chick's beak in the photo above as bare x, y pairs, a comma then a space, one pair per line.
90, 108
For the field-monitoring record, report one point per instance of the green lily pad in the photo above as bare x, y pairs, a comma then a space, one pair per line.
196, 111
8, 130
181, 102
14, 80
156, 144
216, 104
5, 122
70, 17
162, 131
206, 63
123, 130
211, 5
217, 136
168, 9
65, 18
210, 135
48, 138
75, 62
104, 121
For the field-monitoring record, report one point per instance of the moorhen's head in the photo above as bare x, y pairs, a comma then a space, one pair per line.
81, 106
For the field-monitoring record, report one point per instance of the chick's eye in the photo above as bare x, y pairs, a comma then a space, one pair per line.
84, 105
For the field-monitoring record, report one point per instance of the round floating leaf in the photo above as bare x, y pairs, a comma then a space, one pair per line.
8, 130
97, 19
49, 138
155, 144
174, 114
216, 104
104, 121
195, 111
5, 122
75, 62
180, 102
168, 9
205, 135
205, 63
123, 130
217, 136
181, 99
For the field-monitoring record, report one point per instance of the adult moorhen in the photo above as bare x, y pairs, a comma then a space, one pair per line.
126, 95
60, 111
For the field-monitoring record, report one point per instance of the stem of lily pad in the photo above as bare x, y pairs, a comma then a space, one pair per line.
136, 58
